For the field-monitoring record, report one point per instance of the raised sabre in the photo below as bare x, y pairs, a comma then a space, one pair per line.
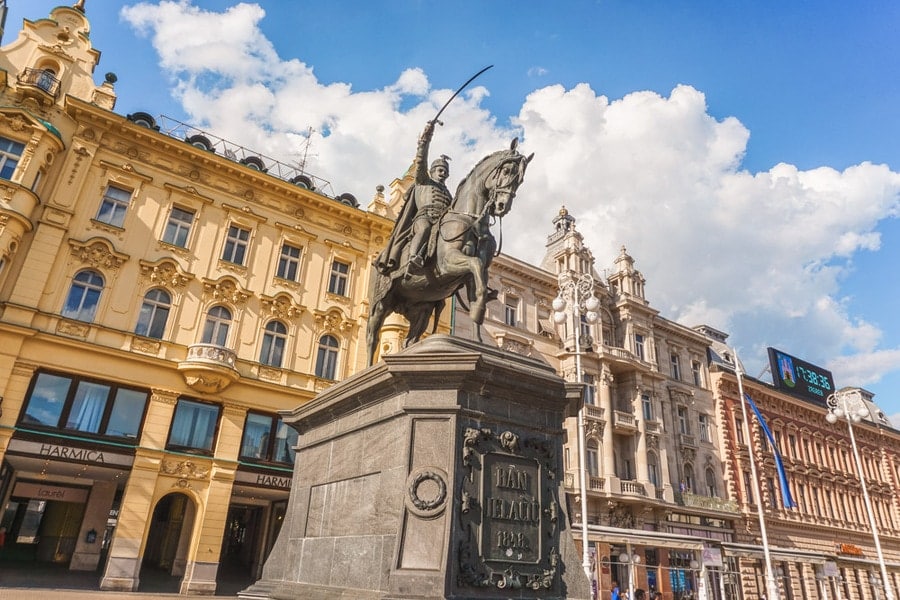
456, 93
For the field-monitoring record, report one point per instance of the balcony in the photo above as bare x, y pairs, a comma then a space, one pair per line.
624, 422
687, 440
633, 488
209, 368
597, 484
594, 412
652, 426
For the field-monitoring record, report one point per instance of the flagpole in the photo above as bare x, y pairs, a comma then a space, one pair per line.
770, 573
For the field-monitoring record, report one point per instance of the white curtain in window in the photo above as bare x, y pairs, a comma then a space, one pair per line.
88, 406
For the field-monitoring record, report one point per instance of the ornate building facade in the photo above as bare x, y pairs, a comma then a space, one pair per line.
667, 484
164, 294
653, 474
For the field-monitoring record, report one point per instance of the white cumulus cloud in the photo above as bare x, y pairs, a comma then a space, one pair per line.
760, 255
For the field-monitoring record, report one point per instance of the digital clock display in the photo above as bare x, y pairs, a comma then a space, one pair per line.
800, 378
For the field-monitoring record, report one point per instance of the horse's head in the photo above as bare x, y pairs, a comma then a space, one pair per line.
505, 178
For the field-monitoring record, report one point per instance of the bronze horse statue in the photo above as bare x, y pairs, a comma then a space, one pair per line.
464, 249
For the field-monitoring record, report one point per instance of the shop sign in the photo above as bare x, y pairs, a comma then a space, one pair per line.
711, 557
850, 549
268, 480
26, 489
71, 453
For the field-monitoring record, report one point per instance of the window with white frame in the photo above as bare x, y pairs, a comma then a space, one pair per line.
236, 241
84, 296
511, 310
339, 279
10, 153
590, 389
154, 314
639, 346
696, 373
274, 342
289, 263
704, 428
215, 329
178, 227
675, 361
647, 407
683, 425
114, 206
326, 357
593, 458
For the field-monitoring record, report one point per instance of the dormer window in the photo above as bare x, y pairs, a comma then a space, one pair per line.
144, 120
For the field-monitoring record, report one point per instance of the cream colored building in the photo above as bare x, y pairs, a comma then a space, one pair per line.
164, 293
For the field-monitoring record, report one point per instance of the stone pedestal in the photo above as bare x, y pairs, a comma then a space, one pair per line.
433, 474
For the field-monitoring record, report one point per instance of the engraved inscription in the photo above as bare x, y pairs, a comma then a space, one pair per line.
512, 509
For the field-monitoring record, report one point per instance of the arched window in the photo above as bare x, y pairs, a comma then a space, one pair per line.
215, 330
326, 358
711, 487
687, 483
652, 469
84, 295
273, 343
154, 314
593, 458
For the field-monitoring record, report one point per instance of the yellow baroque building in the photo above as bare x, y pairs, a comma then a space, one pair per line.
164, 294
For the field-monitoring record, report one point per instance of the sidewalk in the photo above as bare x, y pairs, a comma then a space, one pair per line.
30, 581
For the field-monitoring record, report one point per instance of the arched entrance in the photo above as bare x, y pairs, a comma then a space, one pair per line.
168, 541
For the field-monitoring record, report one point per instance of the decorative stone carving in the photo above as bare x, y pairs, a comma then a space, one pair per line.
332, 321
281, 306
73, 328
184, 469
593, 429
621, 517
165, 273
97, 253
146, 346
426, 492
512, 542
226, 290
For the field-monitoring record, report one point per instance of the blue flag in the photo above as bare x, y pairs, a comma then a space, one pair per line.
786, 497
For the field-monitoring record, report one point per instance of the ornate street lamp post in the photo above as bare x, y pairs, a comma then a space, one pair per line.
576, 298
847, 403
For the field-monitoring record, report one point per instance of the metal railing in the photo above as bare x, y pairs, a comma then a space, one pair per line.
41, 79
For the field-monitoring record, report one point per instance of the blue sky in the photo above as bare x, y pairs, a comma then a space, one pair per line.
745, 153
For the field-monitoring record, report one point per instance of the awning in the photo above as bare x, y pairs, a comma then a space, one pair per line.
635, 537
789, 554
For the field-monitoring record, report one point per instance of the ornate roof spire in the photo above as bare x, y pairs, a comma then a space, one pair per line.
79, 5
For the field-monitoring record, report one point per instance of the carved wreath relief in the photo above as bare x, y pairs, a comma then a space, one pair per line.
508, 511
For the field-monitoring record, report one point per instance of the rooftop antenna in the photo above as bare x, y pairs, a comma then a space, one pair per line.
301, 164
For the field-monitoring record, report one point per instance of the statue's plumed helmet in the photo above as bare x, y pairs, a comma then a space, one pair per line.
443, 161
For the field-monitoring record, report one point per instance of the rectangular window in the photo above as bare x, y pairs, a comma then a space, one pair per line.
289, 263
75, 404
590, 390
676, 366
683, 426
739, 430
337, 282
696, 373
268, 438
10, 153
647, 407
748, 489
511, 311
639, 346
235, 250
194, 426
114, 206
178, 227
704, 428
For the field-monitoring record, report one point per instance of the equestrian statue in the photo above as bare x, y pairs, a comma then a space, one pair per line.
443, 243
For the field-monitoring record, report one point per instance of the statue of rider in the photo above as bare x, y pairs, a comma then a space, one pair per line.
426, 201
